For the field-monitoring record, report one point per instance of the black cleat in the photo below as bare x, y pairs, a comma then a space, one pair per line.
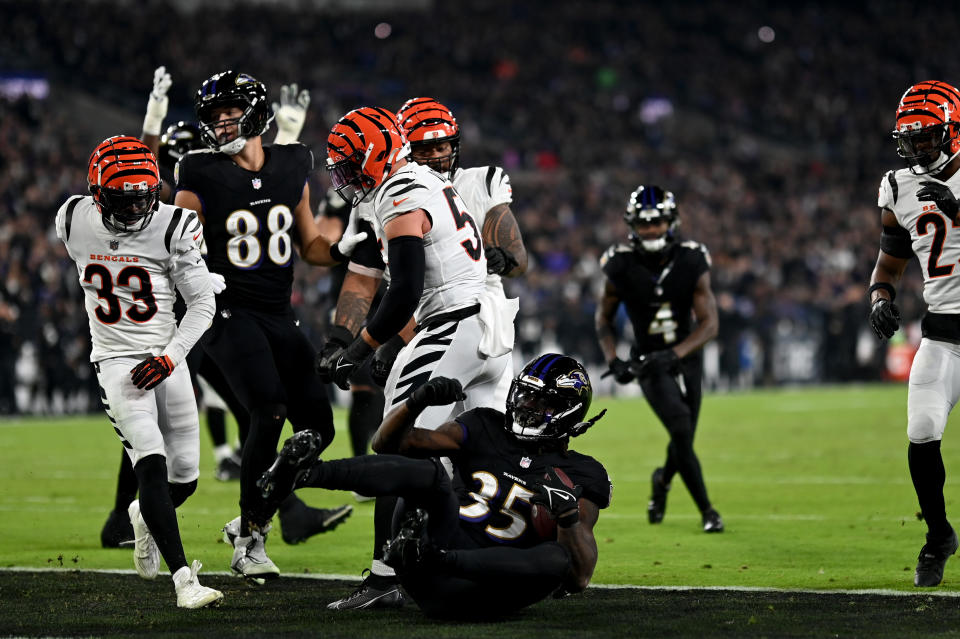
712, 523
228, 469
933, 559
658, 497
296, 457
374, 592
300, 522
409, 548
118, 531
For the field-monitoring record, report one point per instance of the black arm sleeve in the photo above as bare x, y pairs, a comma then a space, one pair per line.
895, 241
407, 269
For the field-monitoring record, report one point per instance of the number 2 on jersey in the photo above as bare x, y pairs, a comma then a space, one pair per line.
934, 268
462, 218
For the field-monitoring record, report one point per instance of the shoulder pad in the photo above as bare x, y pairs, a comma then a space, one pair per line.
612, 251
697, 246
889, 191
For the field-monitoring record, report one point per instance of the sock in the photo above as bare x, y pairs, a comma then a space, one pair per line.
158, 511
928, 475
217, 425
126, 484
221, 452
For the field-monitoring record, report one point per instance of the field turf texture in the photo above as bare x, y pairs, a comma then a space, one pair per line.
812, 484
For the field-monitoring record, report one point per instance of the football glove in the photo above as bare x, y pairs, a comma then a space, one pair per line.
350, 359
942, 196
559, 499
621, 371
499, 262
383, 359
290, 113
663, 361
157, 103
150, 372
438, 391
218, 283
343, 249
327, 358
884, 318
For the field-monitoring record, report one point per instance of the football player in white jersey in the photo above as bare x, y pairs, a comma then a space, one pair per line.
919, 217
131, 253
433, 249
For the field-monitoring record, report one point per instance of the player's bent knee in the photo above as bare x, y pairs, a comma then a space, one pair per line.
927, 427
270, 415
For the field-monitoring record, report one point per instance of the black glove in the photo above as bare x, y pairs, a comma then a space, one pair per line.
884, 318
942, 196
438, 391
498, 260
151, 371
621, 371
559, 499
383, 359
326, 362
665, 361
350, 359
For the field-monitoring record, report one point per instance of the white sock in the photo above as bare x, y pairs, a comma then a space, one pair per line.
381, 569
221, 452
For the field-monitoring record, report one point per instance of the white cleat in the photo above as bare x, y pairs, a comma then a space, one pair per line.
250, 558
190, 594
146, 555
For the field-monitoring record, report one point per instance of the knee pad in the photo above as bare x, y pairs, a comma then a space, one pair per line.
925, 420
180, 492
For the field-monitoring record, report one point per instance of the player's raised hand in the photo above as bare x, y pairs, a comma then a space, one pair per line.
438, 391
158, 102
343, 249
290, 113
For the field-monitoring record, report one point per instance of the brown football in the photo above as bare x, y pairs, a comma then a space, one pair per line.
543, 523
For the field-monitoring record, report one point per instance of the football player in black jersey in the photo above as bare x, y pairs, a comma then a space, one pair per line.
664, 284
472, 545
254, 201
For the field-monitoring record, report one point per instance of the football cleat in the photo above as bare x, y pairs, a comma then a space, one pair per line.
228, 469
933, 559
712, 523
300, 522
250, 558
658, 497
118, 531
190, 594
374, 592
296, 457
146, 555
408, 548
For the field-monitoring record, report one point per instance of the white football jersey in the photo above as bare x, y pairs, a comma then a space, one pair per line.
935, 240
129, 279
455, 264
482, 188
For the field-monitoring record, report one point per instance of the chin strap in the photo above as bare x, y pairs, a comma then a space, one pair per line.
581, 427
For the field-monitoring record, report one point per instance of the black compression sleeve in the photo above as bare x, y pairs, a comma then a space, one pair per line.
407, 269
895, 241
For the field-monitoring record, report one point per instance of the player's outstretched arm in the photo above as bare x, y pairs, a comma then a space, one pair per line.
156, 109
290, 113
506, 253
398, 435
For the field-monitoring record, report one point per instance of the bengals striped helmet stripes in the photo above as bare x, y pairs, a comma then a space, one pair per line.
124, 180
928, 126
362, 149
427, 123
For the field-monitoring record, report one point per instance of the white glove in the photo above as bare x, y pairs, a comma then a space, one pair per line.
290, 113
157, 104
218, 283
350, 238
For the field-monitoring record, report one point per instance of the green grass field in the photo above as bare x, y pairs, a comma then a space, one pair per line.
812, 484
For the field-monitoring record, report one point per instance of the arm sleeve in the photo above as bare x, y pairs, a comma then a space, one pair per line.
408, 266
192, 279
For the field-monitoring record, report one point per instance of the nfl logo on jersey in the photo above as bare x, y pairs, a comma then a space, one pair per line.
256, 183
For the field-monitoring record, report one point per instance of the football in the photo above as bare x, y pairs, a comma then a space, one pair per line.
543, 523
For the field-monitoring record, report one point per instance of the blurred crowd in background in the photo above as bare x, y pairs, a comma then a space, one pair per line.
769, 121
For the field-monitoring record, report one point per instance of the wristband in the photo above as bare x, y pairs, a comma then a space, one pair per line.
883, 286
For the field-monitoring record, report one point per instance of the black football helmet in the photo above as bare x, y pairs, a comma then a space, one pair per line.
549, 399
176, 142
650, 204
227, 89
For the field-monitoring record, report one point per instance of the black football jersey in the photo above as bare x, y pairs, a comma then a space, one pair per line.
658, 295
495, 477
248, 221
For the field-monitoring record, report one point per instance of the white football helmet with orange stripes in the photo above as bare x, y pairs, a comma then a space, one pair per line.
124, 180
928, 126
361, 151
